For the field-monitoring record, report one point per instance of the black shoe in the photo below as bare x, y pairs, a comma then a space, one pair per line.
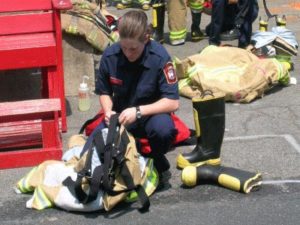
196, 34
242, 45
214, 43
230, 35
163, 183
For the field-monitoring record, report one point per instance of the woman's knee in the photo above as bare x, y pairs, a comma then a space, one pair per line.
161, 127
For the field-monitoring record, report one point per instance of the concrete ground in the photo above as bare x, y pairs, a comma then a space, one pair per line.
261, 136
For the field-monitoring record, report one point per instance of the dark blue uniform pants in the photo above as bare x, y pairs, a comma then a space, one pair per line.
248, 12
225, 17
217, 21
160, 131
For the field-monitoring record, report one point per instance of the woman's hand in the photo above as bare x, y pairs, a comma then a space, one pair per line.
108, 115
128, 116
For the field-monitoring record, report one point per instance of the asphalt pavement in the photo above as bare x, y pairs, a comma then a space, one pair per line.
261, 136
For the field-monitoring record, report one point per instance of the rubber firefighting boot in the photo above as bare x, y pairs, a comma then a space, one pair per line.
196, 33
263, 25
209, 118
230, 35
281, 21
231, 178
158, 21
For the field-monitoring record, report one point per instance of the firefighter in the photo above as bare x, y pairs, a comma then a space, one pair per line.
177, 11
137, 79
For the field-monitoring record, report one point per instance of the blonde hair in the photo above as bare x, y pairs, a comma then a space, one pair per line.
134, 25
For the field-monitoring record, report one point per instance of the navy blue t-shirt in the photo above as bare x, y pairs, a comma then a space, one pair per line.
144, 81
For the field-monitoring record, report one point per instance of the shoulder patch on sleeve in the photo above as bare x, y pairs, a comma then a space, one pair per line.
170, 73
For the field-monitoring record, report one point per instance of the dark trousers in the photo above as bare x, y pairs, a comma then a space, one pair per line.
217, 21
225, 17
160, 131
248, 12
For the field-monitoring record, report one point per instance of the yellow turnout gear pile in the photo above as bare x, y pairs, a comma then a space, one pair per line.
89, 20
237, 73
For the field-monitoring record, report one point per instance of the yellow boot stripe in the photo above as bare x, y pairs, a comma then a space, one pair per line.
189, 176
197, 122
182, 162
230, 182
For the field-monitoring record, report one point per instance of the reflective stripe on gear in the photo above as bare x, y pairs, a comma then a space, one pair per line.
115, 36
177, 35
177, 12
23, 185
40, 199
149, 183
144, 2
196, 5
183, 83
73, 27
126, 2
283, 75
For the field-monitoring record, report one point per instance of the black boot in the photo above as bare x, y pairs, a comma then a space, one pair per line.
209, 117
162, 167
158, 20
196, 33
231, 178
230, 35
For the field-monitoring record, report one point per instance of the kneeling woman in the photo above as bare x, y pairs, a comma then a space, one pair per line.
137, 79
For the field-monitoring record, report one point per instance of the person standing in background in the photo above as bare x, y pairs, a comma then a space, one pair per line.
232, 19
177, 12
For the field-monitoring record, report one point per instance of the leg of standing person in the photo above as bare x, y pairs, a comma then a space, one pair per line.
246, 27
229, 30
177, 12
231, 11
243, 15
217, 20
158, 20
242, 22
196, 7
243, 19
